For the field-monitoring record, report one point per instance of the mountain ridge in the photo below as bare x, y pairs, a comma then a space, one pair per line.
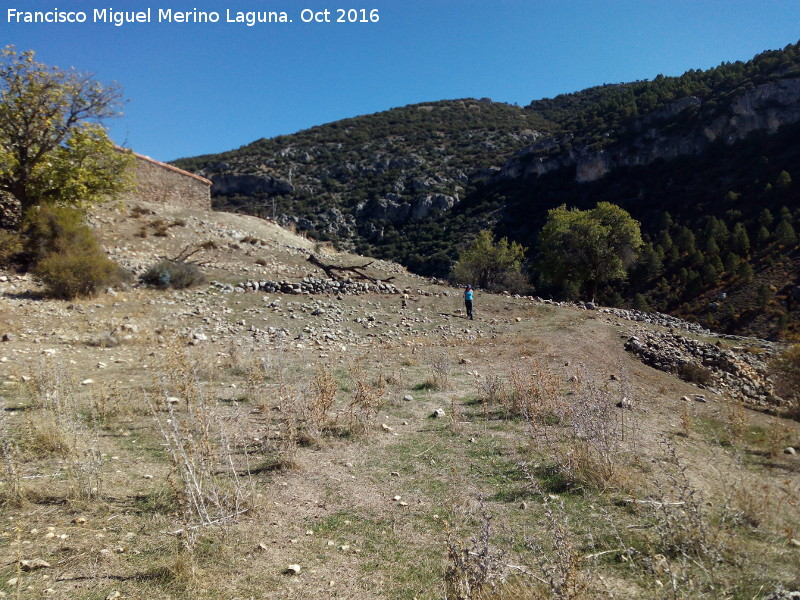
416, 183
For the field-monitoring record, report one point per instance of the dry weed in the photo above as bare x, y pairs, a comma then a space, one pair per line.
368, 399
597, 432
564, 573
778, 437
441, 368
59, 424
736, 421
206, 477
12, 491
690, 545
475, 569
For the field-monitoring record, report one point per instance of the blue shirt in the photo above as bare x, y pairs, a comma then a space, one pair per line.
468, 295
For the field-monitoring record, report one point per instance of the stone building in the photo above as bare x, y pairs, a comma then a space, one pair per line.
161, 183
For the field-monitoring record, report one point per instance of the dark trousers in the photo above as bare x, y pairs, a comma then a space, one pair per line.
468, 304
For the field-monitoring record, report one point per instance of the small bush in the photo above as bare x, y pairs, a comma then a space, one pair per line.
69, 276
694, 373
786, 370
138, 211
174, 274
10, 246
65, 253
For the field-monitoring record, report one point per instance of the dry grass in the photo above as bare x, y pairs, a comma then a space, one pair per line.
274, 455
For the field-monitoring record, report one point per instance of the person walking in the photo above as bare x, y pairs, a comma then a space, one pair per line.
468, 300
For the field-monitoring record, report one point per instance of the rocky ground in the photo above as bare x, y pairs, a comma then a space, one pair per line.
301, 411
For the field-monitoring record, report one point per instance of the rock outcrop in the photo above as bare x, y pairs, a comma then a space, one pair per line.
763, 108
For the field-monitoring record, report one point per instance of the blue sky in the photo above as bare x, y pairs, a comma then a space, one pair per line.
197, 88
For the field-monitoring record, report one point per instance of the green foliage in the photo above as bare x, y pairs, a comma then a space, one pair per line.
176, 274
65, 253
491, 265
787, 368
588, 247
52, 148
783, 181
785, 234
740, 241
639, 302
10, 245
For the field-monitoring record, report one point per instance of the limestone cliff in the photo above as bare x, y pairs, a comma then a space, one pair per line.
763, 108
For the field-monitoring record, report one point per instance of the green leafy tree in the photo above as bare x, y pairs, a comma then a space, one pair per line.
491, 265
53, 147
588, 247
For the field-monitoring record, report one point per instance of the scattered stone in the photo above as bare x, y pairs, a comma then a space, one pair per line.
386, 428
114, 595
87, 382
394, 474
397, 498
782, 594
32, 565
790, 450
438, 414
408, 398
795, 542
292, 570
700, 398
625, 403
8, 337
685, 399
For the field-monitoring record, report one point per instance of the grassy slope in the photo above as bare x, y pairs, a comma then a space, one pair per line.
324, 497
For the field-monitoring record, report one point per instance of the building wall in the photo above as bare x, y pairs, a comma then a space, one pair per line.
160, 183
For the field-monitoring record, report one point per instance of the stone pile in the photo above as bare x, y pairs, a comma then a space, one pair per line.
655, 318
310, 285
735, 372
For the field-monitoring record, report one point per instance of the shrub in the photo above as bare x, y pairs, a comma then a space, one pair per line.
74, 275
694, 373
176, 274
10, 246
786, 369
65, 253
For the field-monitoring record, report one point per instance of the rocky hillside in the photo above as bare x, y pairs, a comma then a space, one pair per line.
339, 181
414, 184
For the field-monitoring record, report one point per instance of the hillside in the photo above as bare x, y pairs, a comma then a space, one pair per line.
414, 184
355, 443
